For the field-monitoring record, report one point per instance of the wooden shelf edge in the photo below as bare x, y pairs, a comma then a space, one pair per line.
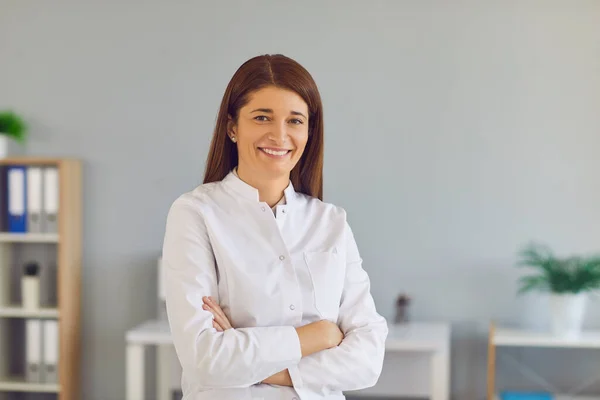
33, 160
560, 396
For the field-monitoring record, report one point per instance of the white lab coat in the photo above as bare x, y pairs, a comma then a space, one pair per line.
270, 273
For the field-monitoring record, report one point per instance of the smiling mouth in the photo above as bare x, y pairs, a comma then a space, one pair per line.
274, 152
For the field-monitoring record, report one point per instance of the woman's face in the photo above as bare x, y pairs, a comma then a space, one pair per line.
271, 132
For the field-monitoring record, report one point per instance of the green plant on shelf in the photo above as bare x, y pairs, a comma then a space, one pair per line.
559, 275
12, 126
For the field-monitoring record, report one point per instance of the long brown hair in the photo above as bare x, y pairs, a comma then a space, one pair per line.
257, 73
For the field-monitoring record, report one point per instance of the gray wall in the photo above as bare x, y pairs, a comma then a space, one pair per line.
454, 134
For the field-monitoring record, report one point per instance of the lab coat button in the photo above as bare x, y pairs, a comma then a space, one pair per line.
262, 208
292, 307
282, 258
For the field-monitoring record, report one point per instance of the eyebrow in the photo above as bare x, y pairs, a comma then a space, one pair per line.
270, 111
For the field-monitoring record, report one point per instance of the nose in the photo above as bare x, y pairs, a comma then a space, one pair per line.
279, 133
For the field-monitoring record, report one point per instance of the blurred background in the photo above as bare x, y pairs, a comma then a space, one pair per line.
455, 133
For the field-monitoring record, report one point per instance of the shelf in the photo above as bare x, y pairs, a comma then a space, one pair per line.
567, 397
7, 237
515, 337
20, 160
59, 254
19, 384
19, 312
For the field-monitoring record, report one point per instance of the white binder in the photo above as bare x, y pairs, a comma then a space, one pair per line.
34, 199
50, 203
50, 361
33, 350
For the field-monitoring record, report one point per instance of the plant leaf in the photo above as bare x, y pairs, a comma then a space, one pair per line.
559, 275
12, 126
533, 282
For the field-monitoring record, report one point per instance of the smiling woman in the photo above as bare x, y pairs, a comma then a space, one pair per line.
266, 295
271, 104
271, 132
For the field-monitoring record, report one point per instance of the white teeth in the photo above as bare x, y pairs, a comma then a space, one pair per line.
275, 153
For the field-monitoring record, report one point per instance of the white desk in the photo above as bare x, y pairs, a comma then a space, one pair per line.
429, 339
432, 339
509, 337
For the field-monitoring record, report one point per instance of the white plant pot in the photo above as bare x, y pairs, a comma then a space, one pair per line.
568, 311
30, 292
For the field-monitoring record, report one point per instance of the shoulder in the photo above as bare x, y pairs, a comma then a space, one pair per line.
322, 209
195, 200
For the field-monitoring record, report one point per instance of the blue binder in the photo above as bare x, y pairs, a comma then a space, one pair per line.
508, 395
17, 199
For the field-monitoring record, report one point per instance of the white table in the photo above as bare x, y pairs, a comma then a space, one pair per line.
510, 337
433, 339
429, 339
154, 333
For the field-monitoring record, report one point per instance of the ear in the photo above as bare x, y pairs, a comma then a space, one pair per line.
231, 126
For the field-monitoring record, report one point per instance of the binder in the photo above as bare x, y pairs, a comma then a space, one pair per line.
50, 202
34, 199
48, 284
33, 350
50, 361
3, 198
17, 213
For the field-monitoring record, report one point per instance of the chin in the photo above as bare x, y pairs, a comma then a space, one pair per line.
276, 171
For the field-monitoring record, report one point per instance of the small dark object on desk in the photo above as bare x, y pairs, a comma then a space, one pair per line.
402, 309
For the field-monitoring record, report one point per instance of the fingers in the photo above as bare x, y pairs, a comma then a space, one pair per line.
215, 307
218, 323
217, 327
219, 316
222, 319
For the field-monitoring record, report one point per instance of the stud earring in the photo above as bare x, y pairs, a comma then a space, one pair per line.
233, 139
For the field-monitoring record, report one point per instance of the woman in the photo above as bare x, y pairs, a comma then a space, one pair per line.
266, 295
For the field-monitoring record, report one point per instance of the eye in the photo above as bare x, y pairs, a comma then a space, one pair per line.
261, 118
297, 121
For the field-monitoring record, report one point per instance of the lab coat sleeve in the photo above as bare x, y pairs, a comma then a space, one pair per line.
357, 362
235, 358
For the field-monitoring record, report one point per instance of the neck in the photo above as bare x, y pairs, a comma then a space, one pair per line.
270, 189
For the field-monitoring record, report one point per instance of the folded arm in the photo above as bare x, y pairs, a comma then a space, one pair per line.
232, 358
356, 363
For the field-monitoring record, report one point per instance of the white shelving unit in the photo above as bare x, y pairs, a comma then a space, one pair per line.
510, 337
522, 338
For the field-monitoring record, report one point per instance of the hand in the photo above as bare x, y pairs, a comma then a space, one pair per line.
282, 378
220, 321
332, 332
318, 336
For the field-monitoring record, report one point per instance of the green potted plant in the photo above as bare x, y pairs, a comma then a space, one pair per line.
12, 127
568, 280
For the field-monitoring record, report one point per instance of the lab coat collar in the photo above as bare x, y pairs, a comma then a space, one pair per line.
248, 192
